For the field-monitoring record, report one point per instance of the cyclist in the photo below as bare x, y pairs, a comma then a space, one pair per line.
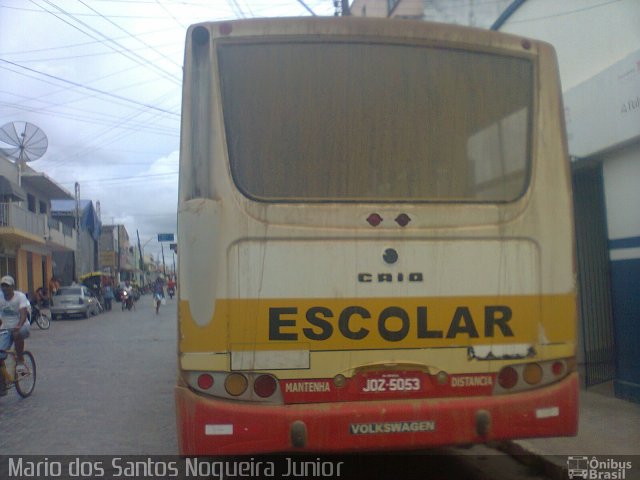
14, 313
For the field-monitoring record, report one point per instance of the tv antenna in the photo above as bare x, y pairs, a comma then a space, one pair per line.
22, 142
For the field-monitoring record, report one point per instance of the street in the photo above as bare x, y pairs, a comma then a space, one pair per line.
104, 386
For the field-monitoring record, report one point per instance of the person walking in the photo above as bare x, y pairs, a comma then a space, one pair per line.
158, 294
108, 296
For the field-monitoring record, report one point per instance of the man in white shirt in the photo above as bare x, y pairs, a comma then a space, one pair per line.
14, 312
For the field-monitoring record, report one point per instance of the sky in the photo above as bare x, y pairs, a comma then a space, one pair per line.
102, 80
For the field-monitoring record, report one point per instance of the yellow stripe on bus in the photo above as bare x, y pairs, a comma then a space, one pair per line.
364, 323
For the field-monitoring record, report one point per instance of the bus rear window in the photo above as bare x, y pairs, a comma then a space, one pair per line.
358, 122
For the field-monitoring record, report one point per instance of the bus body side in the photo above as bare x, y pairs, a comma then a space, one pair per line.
341, 326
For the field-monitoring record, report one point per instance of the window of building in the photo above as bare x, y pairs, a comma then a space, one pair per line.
8, 266
31, 203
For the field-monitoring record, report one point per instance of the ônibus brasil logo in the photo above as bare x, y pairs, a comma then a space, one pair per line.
594, 468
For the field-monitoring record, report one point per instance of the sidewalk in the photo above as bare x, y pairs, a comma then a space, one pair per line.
608, 427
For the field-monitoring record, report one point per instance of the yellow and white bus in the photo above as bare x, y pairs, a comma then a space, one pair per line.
376, 238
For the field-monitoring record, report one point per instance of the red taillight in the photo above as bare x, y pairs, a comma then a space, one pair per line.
265, 386
225, 28
205, 381
557, 368
374, 219
508, 377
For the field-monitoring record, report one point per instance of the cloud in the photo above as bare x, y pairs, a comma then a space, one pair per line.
143, 202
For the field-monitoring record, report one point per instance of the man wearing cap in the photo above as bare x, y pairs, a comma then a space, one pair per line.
14, 311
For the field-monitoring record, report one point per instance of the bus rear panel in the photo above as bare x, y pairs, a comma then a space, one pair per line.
376, 241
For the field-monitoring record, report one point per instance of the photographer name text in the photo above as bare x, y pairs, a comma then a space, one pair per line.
121, 467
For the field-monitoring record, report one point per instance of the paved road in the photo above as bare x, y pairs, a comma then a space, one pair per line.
105, 386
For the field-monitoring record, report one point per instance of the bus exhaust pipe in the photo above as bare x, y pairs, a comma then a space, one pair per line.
298, 434
483, 423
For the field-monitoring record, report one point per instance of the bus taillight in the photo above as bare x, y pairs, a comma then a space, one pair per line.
532, 373
205, 381
235, 384
508, 377
265, 386
520, 377
557, 368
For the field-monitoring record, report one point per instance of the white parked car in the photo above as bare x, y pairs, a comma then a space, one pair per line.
74, 300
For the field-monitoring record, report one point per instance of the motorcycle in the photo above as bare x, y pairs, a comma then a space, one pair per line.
171, 292
126, 300
40, 318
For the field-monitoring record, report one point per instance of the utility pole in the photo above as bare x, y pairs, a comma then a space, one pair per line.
118, 263
341, 8
78, 255
346, 10
141, 261
164, 267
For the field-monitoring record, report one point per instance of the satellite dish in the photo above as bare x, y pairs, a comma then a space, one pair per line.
22, 142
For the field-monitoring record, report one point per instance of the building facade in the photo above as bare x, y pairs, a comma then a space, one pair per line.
82, 216
29, 235
459, 12
118, 255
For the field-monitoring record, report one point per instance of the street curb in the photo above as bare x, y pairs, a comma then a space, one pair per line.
533, 459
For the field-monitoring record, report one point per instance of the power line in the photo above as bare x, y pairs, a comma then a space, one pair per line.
170, 14
128, 178
91, 89
122, 124
131, 36
233, 4
91, 55
107, 41
167, 131
53, 94
81, 44
132, 17
562, 14
301, 2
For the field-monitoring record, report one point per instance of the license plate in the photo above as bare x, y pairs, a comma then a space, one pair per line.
391, 382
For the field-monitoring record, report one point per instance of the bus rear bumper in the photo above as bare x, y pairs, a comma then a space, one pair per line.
208, 426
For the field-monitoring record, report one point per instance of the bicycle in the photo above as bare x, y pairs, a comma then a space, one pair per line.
24, 383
